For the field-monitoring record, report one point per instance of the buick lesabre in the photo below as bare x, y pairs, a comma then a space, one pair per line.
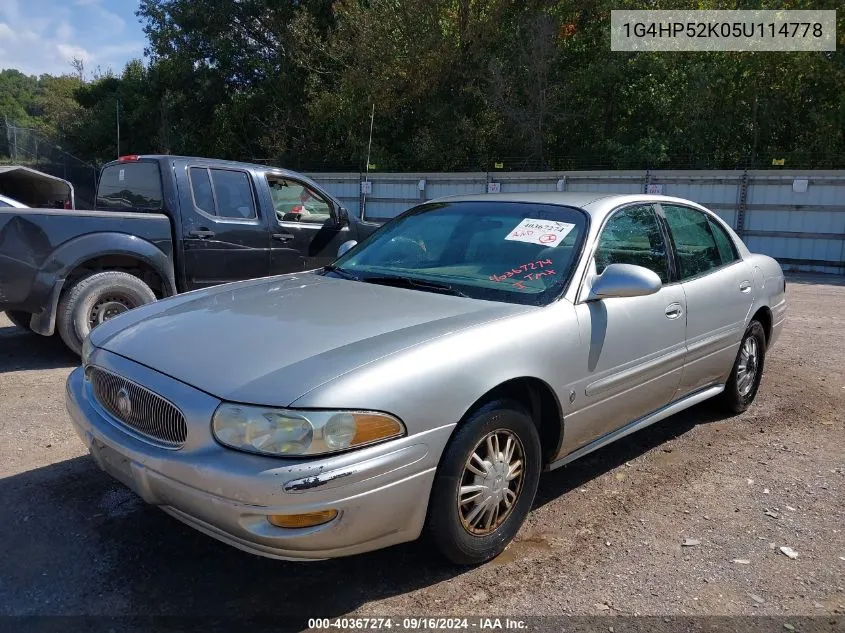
423, 381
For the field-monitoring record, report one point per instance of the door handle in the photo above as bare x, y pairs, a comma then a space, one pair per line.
282, 237
203, 234
673, 311
745, 287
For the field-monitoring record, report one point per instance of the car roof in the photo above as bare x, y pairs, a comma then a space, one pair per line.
222, 162
596, 203
218, 162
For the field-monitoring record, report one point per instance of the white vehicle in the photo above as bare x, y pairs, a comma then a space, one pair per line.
6, 201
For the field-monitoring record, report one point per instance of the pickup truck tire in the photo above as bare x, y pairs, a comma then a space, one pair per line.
95, 299
21, 319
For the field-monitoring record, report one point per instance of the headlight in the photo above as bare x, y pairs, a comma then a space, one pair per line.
296, 433
87, 348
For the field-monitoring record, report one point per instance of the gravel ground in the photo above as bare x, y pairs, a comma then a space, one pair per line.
606, 536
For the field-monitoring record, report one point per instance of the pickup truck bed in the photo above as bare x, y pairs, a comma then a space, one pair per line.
40, 247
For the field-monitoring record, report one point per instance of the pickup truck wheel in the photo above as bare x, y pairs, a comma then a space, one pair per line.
96, 299
21, 319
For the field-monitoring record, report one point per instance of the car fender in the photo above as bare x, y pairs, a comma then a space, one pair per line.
50, 279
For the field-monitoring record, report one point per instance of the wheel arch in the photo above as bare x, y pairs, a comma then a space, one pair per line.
541, 403
97, 252
764, 316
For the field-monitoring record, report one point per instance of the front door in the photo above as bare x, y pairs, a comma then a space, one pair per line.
719, 293
224, 236
631, 348
305, 234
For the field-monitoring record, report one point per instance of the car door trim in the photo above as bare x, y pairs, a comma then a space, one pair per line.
637, 371
660, 414
714, 343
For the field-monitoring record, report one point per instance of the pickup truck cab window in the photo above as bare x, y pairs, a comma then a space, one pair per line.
296, 202
130, 185
225, 193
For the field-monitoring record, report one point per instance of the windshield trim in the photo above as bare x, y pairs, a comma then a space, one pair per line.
546, 297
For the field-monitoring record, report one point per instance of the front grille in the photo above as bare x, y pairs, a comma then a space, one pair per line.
141, 410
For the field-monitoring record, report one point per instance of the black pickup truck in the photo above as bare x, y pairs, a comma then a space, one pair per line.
163, 225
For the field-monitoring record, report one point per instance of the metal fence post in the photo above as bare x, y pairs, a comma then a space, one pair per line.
742, 203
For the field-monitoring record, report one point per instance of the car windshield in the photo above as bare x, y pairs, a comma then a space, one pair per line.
499, 251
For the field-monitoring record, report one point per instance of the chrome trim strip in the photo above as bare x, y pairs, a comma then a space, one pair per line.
636, 425
604, 384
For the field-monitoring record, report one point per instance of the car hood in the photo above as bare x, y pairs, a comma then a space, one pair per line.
272, 340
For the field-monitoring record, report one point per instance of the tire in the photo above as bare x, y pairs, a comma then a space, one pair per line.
95, 299
461, 535
20, 319
741, 390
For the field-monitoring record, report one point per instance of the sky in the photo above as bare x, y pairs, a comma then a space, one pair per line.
43, 36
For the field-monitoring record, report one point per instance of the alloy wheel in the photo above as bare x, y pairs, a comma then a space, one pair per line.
491, 482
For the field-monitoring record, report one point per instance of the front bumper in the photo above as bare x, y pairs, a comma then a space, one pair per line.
380, 492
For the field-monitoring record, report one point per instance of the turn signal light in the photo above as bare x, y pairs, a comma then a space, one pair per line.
309, 519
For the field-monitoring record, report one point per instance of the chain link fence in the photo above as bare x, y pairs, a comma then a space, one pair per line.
28, 147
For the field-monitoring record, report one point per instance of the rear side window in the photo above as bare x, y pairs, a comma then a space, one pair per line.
727, 251
694, 241
201, 186
130, 186
222, 192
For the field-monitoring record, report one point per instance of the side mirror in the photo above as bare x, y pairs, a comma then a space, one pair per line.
624, 280
343, 248
342, 217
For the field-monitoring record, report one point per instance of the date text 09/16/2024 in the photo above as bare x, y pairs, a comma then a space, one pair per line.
412, 624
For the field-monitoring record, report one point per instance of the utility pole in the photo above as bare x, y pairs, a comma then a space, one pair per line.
369, 147
117, 115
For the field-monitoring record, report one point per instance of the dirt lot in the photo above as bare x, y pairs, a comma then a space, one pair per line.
605, 536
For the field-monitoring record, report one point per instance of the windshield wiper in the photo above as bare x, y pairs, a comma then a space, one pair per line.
410, 282
342, 272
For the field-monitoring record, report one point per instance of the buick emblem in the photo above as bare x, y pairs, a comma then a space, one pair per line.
124, 403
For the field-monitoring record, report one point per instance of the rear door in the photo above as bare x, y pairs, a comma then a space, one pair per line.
304, 230
718, 290
224, 236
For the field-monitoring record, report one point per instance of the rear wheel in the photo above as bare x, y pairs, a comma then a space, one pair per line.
744, 381
96, 299
485, 484
20, 319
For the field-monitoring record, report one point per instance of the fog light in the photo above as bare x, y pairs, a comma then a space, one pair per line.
309, 519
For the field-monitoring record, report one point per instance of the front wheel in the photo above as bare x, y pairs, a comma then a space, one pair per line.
747, 371
485, 484
96, 299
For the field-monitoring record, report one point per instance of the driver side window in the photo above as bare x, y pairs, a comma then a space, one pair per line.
633, 236
296, 202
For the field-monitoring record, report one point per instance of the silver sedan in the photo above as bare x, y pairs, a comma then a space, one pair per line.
424, 381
